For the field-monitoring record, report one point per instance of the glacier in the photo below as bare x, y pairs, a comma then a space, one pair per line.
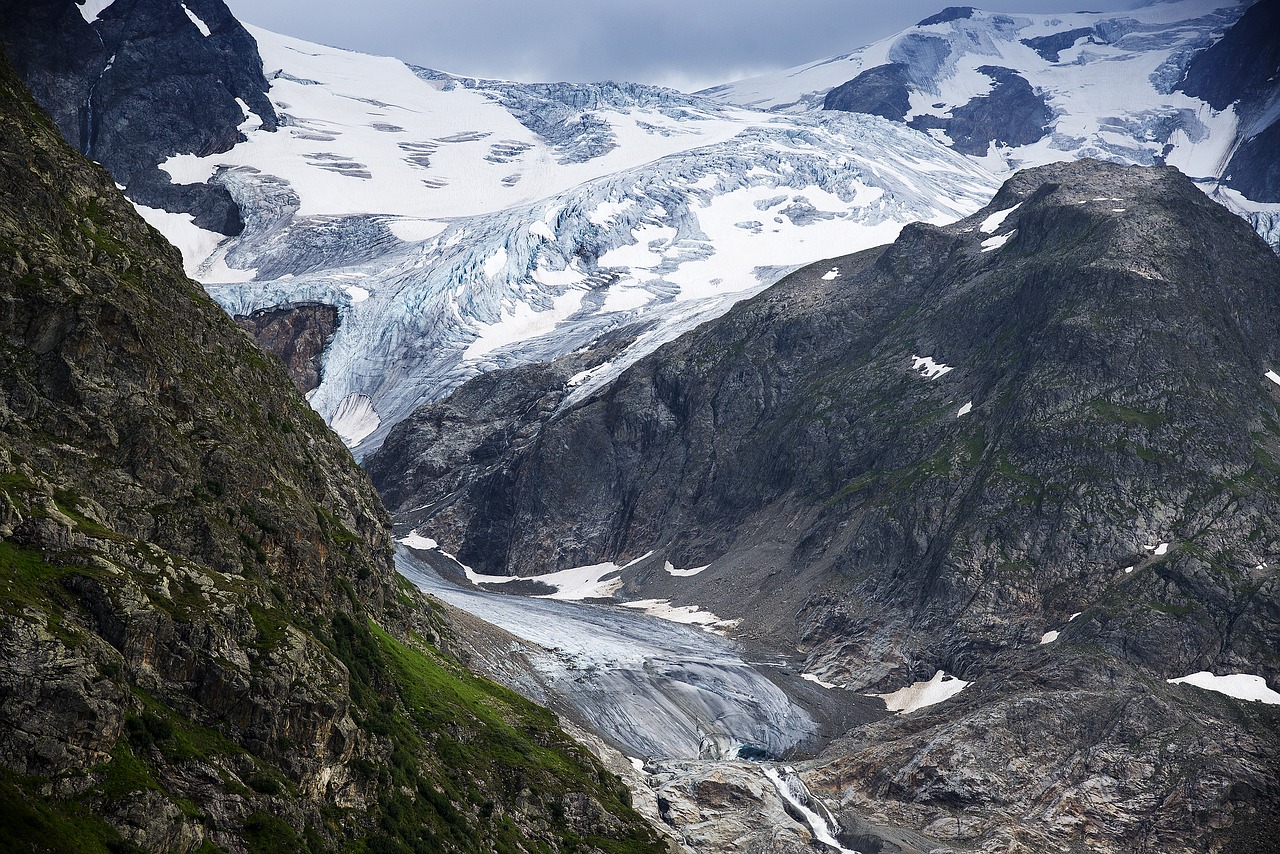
654, 688
461, 225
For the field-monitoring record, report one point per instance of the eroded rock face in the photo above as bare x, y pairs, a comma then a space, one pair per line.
140, 83
1240, 69
203, 643
297, 335
926, 457
880, 91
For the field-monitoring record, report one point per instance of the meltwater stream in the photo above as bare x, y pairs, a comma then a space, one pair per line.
652, 687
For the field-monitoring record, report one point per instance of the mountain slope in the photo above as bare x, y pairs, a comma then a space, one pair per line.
1052, 421
477, 224
204, 644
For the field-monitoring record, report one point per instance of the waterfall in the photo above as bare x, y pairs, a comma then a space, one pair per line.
88, 129
794, 792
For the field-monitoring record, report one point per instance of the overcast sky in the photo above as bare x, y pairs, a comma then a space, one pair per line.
686, 44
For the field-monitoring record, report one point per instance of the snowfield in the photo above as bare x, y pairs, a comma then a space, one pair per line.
1107, 80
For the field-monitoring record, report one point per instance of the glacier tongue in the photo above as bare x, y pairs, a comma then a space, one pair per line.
462, 225
656, 688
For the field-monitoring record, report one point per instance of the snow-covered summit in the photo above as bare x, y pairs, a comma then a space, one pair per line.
1020, 90
462, 224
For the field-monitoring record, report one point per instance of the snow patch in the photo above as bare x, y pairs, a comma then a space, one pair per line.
189, 169
494, 263
927, 367
596, 581
833, 273
415, 230
416, 541
1161, 549
1242, 686
606, 212
355, 419
91, 9
252, 121
690, 615
683, 573
1049, 637
965, 410
817, 680
993, 222
917, 695
200, 25
993, 243
194, 242
1273, 376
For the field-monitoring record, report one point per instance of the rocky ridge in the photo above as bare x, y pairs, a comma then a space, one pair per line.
140, 81
1051, 421
203, 644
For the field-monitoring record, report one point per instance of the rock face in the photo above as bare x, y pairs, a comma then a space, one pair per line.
1056, 415
1011, 114
880, 91
297, 335
203, 645
144, 80
1239, 71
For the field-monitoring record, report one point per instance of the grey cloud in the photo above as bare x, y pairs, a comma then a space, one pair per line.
687, 43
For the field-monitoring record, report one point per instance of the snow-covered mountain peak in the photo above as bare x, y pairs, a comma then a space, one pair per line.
943, 45
1018, 90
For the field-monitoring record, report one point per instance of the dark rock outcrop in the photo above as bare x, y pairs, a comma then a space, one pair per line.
203, 644
142, 83
1012, 113
1105, 445
1241, 69
1051, 45
880, 91
297, 335
951, 13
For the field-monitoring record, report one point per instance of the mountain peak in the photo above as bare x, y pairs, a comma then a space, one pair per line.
922, 458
